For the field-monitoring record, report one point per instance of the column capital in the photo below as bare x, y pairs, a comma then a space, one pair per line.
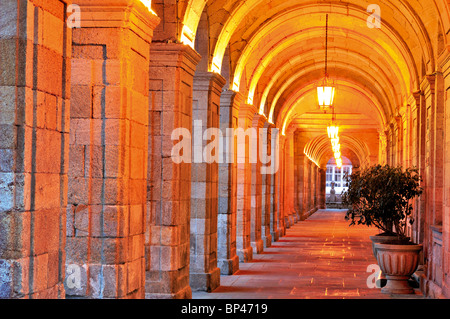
443, 62
229, 107
232, 97
259, 120
247, 111
204, 81
131, 14
427, 85
414, 100
174, 55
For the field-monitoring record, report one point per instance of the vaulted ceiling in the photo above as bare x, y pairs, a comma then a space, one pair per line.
273, 53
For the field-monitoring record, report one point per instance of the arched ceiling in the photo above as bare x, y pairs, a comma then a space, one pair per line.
353, 147
276, 52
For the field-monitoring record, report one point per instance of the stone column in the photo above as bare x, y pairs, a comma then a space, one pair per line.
228, 260
35, 48
267, 204
315, 187
322, 188
300, 159
418, 141
297, 175
446, 173
307, 186
204, 273
433, 90
290, 180
256, 188
108, 148
279, 189
172, 69
244, 153
275, 223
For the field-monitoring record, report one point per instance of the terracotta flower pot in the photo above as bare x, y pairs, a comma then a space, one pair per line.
398, 262
379, 239
382, 238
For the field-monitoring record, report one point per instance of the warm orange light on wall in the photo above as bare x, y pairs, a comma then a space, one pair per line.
187, 36
215, 66
148, 4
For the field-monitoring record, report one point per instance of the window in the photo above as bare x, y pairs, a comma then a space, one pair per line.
329, 175
337, 175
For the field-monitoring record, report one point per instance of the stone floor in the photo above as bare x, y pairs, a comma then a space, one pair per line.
319, 258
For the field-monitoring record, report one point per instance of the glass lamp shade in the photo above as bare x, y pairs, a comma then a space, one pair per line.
333, 131
335, 144
325, 94
339, 162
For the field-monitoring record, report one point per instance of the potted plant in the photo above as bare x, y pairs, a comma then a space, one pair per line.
381, 196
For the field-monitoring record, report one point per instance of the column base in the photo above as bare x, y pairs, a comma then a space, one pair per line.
205, 282
267, 241
258, 246
446, 290
287, 222
432, 290
228, 266
185, 293
245, 255
291, 219
167, 284
275, 235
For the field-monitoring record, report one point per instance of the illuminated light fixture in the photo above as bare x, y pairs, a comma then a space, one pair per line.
325, 95
337, 154
336, 148
326, 91
339, 162
148, 4
187, 36
335, 143
333, 131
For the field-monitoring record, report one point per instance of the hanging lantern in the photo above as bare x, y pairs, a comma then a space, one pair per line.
325, 94
326, 90
339, 162
335, 144
333, 131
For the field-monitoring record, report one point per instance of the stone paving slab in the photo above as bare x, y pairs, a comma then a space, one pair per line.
319, 258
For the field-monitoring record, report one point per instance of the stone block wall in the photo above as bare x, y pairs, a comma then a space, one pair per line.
35, 46
108, 149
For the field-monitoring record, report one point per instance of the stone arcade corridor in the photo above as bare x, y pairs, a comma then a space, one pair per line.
318, 258
171, 149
